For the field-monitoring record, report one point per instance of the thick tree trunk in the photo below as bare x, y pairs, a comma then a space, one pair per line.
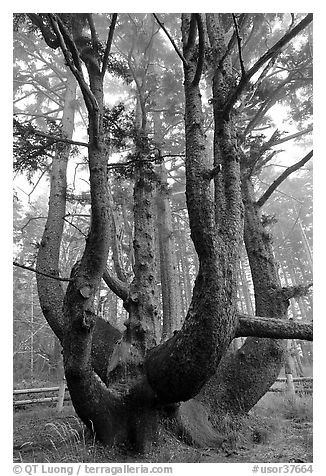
92, 400
184, 269
50, 291
125, 368
245, 376
179, 368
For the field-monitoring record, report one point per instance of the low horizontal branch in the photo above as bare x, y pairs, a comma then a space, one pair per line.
274, 328
29, 268
118, 287
60, 139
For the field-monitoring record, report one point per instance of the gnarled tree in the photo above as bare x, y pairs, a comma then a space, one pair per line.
121, 384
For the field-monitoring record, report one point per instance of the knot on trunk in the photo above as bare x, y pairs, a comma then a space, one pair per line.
88, 320
86, 291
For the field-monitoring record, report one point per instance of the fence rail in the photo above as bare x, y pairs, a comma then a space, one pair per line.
24, 391
298, 384
59, 398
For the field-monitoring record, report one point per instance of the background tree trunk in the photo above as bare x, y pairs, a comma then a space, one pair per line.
171, 298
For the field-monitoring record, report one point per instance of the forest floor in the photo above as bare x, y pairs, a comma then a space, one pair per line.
277, 430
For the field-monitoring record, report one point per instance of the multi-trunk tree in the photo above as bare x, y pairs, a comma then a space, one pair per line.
121, 385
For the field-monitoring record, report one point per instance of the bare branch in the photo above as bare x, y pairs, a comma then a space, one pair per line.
29, 220
29, 268
292, 21
282, 177
94, 37
184, 61
61, 139
266, 105
239, 40
73, 61
109, 44
75, 226
292, 136
201, 48
242, 19
66, 42
267, 145
37, 182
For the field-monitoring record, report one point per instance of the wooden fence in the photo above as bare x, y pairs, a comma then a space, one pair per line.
58, 394
299, 385
293, 385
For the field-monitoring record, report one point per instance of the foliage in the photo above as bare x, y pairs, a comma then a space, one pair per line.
118, 124
32, 151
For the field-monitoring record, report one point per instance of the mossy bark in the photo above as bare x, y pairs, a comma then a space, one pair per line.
243, 377
50, 291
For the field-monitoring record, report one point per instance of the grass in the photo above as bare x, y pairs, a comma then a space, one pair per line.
278, 429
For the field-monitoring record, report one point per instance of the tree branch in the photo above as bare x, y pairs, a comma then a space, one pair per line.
50, 39
184, 61
109, 44
243, 17
74, 226
266, 105
273, 328
292, 136
118, 287
192, 32
239, 39
29, 268
66, 42
29, 220
300, 290
67, 46
255, 157
271, 53
94, 37
60, 139
201, 48
281, 179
